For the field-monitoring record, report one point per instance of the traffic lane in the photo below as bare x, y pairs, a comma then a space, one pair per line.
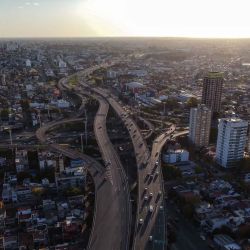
137, 146
158, 233
142, 238
113, 211
110, 211
155, 187
110, 155
188, 237
129, 124
144, 212
105, 211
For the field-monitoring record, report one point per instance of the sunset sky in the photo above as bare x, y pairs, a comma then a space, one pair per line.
84, 18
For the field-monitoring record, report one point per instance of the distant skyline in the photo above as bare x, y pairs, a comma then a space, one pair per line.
97, 18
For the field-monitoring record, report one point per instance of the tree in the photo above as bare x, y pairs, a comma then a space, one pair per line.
188, 210
224, 230
172, 103
73, 191
23, 175
171, 172
213, 135
26, 112
198, 169
38, 191
25, 105
244, 231
4, 114
192, 102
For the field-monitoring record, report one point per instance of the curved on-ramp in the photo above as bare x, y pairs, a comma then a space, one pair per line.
108, 200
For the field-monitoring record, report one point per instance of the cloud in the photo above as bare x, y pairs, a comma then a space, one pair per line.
29, 4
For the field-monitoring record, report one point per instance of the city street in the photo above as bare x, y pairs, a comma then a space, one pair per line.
187, 236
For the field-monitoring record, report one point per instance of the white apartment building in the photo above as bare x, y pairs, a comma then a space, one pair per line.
199, 125
231, 141
174, 156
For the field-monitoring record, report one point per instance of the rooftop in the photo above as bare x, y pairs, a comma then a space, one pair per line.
215, 74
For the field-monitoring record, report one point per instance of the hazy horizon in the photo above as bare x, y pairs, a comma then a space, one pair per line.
130, 18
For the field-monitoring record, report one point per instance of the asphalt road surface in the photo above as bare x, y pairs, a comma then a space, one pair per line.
188, 236
108, 231
149, 177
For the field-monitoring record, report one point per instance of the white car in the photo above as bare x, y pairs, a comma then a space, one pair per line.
141, 221
145, 197
202, 237
151, 208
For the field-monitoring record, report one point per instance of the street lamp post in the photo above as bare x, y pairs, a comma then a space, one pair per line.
49, 112
10, 132
82, 142
138, 112
39, 117
86, 127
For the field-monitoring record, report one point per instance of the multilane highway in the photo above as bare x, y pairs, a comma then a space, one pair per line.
148, 234
111, 222
116, 176
149, 180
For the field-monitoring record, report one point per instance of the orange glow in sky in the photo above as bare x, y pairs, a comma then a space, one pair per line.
80, 18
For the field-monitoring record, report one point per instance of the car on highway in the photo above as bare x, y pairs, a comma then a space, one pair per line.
151, 208
141, 221
145, 197
151, 194
156, 163
121, 148
202, 237
150, 238
107, 163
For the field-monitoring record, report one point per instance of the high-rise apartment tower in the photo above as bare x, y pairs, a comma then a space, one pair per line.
231, 141
212, 91
199, 125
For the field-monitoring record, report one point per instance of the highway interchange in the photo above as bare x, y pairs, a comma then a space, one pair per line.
109, 202
149, 180
112, 220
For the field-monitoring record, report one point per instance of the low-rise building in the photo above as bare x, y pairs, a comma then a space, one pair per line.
174, 156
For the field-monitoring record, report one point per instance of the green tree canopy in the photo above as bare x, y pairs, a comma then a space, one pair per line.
192, 102
4, 114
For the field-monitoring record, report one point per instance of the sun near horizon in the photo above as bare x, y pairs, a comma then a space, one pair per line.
130, 18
